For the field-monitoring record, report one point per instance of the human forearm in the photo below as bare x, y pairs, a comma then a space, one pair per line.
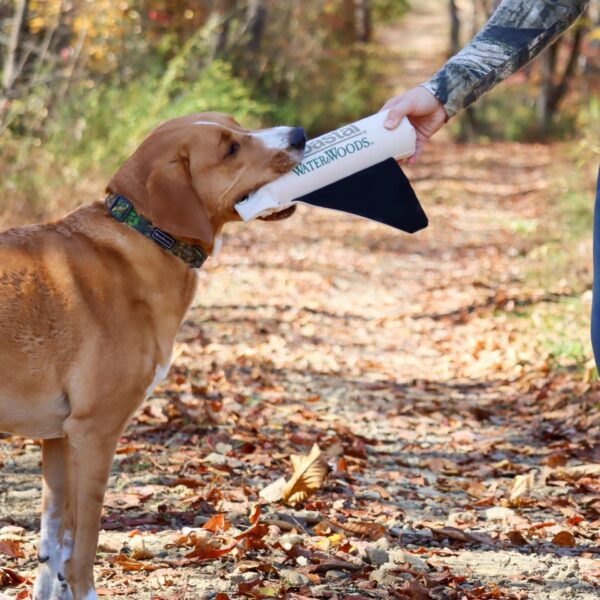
515, 34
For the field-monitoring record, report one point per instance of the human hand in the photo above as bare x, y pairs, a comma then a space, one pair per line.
424, 111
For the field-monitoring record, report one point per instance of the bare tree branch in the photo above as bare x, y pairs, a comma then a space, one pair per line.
11, 70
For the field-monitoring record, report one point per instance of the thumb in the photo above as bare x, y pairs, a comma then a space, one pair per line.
398, 112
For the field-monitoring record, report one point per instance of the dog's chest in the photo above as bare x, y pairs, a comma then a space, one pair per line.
161, 371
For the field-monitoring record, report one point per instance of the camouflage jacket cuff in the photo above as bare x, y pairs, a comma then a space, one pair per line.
515, 34
431, 86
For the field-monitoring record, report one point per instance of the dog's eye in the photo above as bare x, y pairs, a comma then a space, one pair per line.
233, 149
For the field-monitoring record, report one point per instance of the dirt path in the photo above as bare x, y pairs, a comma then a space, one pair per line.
405, 359
402, 358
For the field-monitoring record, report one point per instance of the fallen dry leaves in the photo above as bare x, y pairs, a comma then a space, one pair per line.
565, 539
309, 475
11, 548
437, 451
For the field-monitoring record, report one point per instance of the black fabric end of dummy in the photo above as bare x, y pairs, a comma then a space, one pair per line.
381, 193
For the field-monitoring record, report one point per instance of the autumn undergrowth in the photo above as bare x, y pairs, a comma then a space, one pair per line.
51, 160
561, 264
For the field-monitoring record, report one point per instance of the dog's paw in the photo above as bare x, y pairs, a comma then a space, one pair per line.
50, 586
44, 582
62, 591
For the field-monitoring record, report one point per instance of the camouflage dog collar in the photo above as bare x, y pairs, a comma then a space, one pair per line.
122, 210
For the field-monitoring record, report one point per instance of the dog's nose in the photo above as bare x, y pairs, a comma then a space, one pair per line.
297, 138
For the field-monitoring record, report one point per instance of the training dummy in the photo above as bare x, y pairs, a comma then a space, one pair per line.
352, 169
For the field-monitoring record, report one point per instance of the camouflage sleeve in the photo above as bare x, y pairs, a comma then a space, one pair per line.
515, 34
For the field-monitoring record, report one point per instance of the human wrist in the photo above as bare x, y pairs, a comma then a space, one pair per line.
433, 88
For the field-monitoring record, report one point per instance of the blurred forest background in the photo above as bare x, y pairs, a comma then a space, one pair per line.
447, 375
84, 80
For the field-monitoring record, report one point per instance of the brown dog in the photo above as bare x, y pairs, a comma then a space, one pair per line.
89, 309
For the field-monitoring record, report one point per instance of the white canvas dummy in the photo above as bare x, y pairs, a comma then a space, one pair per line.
330, 158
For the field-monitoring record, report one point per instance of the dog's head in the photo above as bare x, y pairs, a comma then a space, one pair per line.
189, 173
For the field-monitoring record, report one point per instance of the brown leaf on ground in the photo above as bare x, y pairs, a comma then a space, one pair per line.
255, 514
122, 501
10, 578
557, 459
577, 472
11, 548
565, 539
517, 538
139, 550
522, 486
461, 535
329, 565
208, 549
309, 475
121, 591
246, 588
367, 529
257, 530
217, 523
130, 565
415, 590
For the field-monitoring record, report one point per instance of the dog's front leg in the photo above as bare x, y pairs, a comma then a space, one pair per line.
90, 445
48, 586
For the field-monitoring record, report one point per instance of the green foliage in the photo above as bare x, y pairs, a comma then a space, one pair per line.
311, 62
110, 121
577, 212
561, 262
511, 115
115, 71
564, 332
386, 10
588, 124
318, 105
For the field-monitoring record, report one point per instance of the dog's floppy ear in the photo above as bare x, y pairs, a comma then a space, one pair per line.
174, 205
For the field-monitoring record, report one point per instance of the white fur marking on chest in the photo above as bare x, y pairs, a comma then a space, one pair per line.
91, 595
218, 244
161, 372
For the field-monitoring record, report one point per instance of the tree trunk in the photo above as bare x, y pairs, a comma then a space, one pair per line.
454, 28
554, 86
226, 13
363, 22
548, 65
256, 19
11, 70
469, 125
559, 91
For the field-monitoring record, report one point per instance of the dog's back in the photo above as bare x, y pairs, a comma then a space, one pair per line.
38, 330
77, 297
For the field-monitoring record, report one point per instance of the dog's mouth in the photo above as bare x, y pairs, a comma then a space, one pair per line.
285, 213
280, 214
296, 157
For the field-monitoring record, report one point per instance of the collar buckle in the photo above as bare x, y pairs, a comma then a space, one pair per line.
119, 208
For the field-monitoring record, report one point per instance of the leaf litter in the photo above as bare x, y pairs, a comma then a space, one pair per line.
416, 441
